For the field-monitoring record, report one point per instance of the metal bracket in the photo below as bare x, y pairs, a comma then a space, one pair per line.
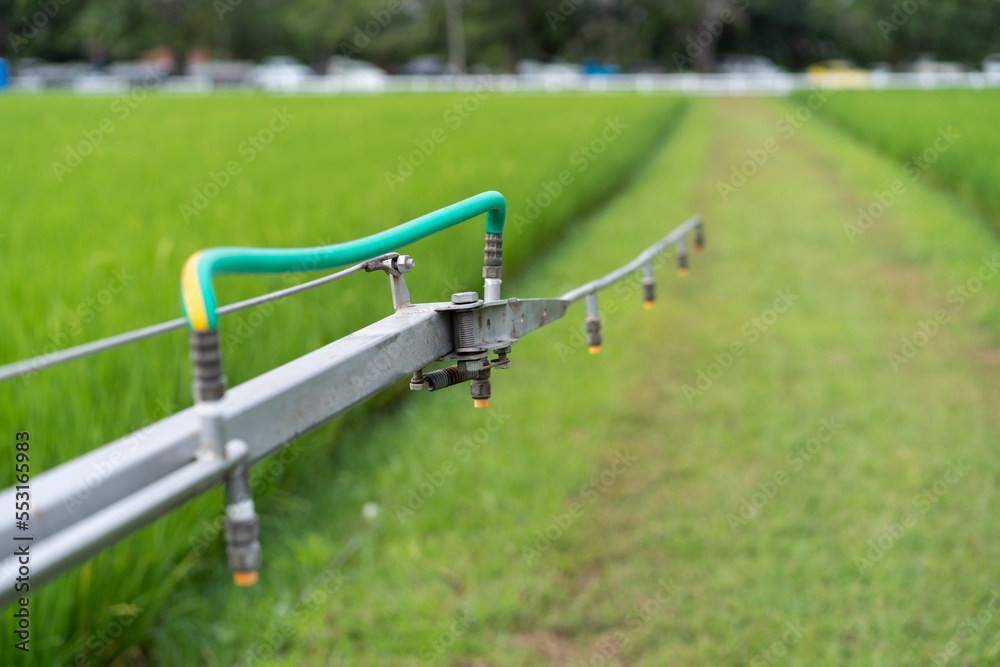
395, 267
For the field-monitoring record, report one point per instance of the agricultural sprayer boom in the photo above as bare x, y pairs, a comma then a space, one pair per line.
96, 499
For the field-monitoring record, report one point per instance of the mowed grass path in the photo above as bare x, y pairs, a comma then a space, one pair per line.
875, 548
818, 502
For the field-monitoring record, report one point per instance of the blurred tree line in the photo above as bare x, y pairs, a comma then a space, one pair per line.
672, 34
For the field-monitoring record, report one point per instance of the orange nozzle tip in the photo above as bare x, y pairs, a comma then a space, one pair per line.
244, 579
481, 402
682, 273
648, 305
595, 349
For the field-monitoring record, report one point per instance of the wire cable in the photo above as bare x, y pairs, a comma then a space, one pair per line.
19, 368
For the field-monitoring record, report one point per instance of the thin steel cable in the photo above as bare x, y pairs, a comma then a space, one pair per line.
19, 368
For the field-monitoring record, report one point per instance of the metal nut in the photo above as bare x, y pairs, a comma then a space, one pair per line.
404, 263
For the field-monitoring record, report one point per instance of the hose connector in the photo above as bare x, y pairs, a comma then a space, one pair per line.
209, 384
492, 266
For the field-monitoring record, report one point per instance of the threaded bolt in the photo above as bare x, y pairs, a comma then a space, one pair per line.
465, 326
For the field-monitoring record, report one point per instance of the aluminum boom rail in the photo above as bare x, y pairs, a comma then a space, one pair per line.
94, 500
646, 256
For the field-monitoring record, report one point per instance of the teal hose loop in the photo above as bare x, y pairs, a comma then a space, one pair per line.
198, 295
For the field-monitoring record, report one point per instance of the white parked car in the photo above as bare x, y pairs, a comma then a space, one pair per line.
354, 76
280, 74
549, 76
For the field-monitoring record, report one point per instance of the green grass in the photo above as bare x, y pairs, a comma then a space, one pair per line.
906, 125
322, 179
730, 592
337, 589
461, 550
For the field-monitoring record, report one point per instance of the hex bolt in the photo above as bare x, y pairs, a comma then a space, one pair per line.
648, 287
465, 323
465, 330
502, 361
592, 324
682, 258
481, 389
463, 298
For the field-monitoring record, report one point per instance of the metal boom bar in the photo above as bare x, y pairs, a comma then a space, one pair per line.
96, 499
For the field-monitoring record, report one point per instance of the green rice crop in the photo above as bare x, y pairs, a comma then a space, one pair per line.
104, 199
911, 127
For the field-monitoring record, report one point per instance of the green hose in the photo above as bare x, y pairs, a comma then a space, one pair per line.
198, 295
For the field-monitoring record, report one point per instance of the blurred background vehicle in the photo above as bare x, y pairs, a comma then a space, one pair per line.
738, 63
350, 75
838, 74
280, 74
